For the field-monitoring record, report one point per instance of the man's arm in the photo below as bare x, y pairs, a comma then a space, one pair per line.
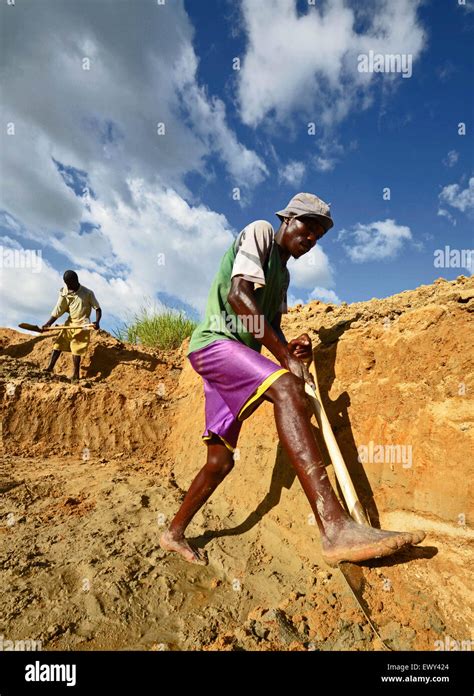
242, 299
58, 311
301, 347
98, 312
50, 322
276, 325
98, 316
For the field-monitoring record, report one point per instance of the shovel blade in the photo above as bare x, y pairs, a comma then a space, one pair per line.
29, 327
354, 577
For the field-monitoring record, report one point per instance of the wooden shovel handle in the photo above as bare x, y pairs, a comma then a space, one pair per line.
61, 327
347, 487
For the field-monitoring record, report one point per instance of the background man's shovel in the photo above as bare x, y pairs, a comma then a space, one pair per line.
352, 573
59, 327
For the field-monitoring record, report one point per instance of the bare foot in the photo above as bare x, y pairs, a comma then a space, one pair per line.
170, 543
355, 542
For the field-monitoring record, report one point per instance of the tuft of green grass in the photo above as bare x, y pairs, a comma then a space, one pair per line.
164, 330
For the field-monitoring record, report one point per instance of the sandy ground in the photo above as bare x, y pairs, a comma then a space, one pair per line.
81, 569
91, 473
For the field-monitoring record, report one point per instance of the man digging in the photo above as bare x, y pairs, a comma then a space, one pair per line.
251, 285
78, 301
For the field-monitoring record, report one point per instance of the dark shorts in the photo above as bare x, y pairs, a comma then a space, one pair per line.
235, 378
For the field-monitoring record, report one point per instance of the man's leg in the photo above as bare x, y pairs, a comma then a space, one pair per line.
220, 462
342, 538
54, 358
76, 361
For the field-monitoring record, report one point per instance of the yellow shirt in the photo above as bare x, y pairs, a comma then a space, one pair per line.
79, 304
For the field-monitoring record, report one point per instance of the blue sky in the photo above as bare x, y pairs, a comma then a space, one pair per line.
89, 183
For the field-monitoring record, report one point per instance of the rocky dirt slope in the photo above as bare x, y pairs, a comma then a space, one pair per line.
90, 473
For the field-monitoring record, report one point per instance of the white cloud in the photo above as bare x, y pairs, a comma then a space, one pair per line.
324, 164
467, 6
324, 295
30, 296
293, 301
330, 152
103, 123
375, 241
446, 70
311, 269
190, 239
146, 247
293, 173
307, 65
27, 295
104, 120
9, 223
209, 121
445, 213
451, 158
9, 243
456, 197
318, 293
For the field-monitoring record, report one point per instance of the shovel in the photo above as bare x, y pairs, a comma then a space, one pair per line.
353, 503
60, 327
352, 574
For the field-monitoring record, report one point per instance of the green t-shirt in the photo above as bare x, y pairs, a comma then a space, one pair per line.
254, 255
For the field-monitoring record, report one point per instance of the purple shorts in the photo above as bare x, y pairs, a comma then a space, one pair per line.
235, 377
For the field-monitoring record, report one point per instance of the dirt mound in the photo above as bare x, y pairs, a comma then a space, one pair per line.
117, 408
397, 379
92, 471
